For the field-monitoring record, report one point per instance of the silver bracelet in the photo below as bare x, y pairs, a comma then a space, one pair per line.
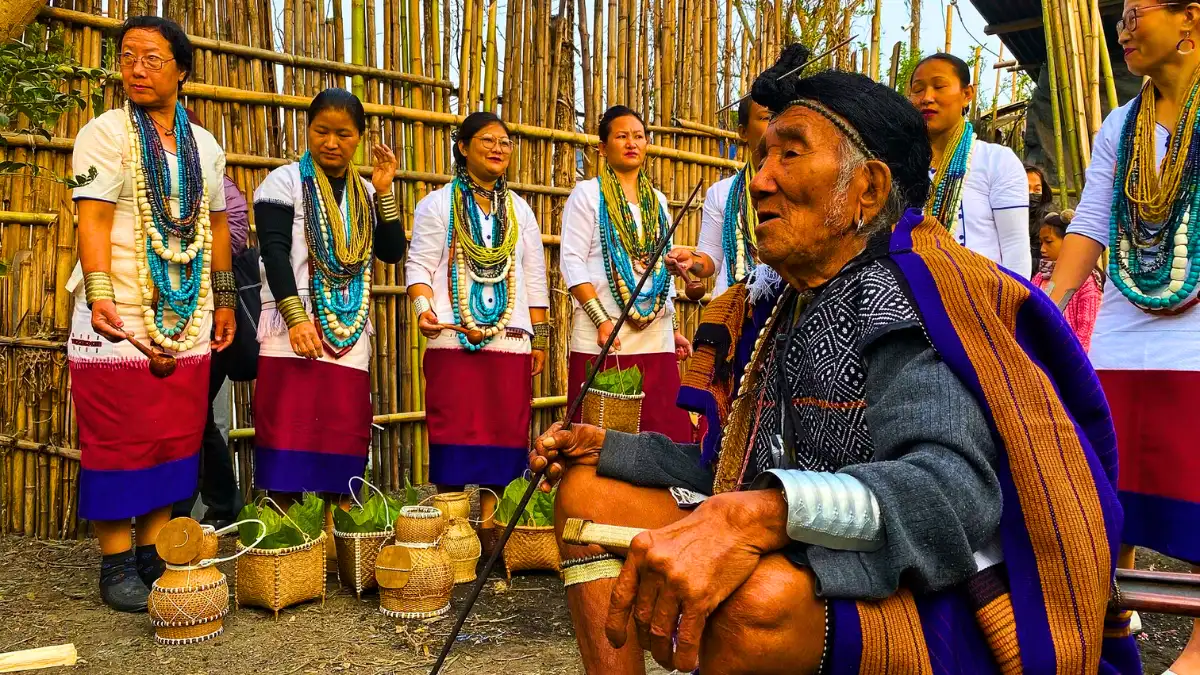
833, 510
421, 305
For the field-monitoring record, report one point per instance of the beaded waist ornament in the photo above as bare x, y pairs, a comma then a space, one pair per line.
1155, 265
483, 276
339, 252
173, 315
946, 196
737, 230
627, 250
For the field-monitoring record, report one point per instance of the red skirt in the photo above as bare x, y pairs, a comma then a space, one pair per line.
1159, 454
478, 406
660, 382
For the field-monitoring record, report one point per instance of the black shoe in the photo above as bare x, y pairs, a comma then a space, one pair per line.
149, 566
120, 586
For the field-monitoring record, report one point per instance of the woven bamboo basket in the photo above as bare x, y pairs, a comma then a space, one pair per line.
453, 504
427, 591
278, 578
530, 548
463, 547
419, 524
356, 552
188, 605
211, 542
15, 15
619, 412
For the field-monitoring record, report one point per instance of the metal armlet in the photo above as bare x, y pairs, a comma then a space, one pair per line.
833, 510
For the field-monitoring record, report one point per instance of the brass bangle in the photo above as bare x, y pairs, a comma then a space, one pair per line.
675, 320
387, 207
596, 312
293, 311
98, 286
223, 281
541, 336
225, 299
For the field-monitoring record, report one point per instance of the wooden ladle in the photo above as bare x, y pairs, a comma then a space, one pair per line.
474, 335
161, 365
694, 288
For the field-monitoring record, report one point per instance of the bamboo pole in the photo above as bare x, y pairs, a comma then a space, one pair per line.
1110, 85
491, 74
466, 101
1060, 160
949, 26
876, 28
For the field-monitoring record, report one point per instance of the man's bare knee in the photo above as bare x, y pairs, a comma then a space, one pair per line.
774, 623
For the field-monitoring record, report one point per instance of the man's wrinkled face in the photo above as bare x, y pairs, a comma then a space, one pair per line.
802, 219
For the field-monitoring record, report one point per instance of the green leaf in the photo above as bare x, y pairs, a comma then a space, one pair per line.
412, 496
248, 532
309, 515
343, 521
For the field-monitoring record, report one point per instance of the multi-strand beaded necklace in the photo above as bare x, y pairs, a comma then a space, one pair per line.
946, 196
737, 229
484, 266
172, 315
627, 250
340, 242
1152, 212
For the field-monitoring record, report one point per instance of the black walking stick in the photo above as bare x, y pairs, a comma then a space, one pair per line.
575, 403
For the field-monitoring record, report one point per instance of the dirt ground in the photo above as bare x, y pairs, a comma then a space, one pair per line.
48, 595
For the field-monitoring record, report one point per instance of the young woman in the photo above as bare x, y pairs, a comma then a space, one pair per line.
726, 247
320, 226
1139, 203
153, 255
1081, 310
980, 193
611, 226
477, 263
1039, 207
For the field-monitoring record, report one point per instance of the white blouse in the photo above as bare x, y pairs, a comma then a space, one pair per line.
993, 216
1126, 338
429, 263
712, 230
582, 262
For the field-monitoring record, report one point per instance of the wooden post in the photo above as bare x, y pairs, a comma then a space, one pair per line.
895, 74
914, 35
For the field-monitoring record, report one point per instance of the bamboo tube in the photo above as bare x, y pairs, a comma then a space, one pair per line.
581, 532
1060, 162
466, 101
490, 72
876, 28
975, 80
949, 26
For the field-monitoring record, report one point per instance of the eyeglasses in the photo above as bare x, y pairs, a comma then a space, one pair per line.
490, 142
1128, 22
151, 62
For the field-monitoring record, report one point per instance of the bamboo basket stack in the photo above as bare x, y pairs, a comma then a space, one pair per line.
255, 70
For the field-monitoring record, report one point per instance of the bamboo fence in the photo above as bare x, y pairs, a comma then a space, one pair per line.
418, 65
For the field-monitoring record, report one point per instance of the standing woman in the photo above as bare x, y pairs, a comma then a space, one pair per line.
727, 245
319, 225
980, 192
1039, 207
477, 263
1146, 344
611, 225
153, 255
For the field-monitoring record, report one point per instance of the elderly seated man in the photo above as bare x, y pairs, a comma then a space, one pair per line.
915, 470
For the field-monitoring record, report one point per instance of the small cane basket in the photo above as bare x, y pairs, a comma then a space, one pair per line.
356, 553
278, 578
463, 547
530, 548
188, 603
453, 504
422, 589
619, 412
421, 524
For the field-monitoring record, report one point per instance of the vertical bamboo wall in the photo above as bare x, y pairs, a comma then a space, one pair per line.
258, 62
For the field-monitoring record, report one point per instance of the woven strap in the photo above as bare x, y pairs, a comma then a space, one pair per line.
594, 568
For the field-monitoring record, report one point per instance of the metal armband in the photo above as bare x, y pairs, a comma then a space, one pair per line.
541, 336
833, 510
421, 305
596, 312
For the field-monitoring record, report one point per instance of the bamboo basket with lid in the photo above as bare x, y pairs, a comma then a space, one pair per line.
415, 581
463, 548
419, 524
189, 602
619, 412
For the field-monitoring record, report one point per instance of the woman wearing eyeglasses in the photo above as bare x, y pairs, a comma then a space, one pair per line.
1146, 344
154, 255
476, 263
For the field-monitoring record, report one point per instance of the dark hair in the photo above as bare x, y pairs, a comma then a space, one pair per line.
1059, 222
181, 46
961, 69
613, 114
473, 124
1037, 171
744, 112
338, 99
891, 128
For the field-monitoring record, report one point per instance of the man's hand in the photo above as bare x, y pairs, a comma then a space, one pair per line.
679, 261
106, 321
675, 577
224, 327
558, 449
539, 361
683, 348
305, 341
603, 331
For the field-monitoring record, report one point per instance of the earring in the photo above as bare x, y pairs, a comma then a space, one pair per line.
858, 224
1186, 45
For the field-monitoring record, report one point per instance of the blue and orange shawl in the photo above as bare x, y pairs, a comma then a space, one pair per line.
1047, 610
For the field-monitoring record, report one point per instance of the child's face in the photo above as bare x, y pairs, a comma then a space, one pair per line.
1051, 242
